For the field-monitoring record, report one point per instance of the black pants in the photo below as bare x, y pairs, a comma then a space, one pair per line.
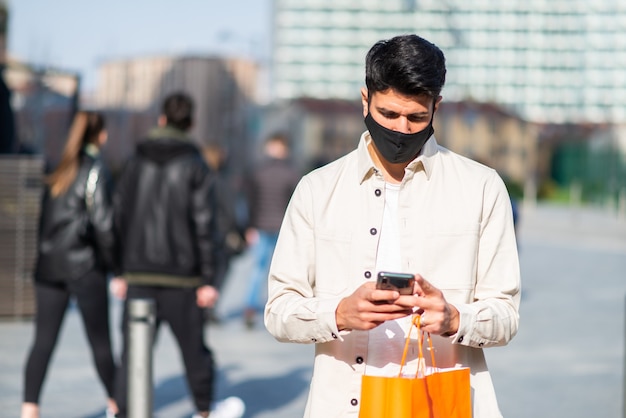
176, 306
52, 300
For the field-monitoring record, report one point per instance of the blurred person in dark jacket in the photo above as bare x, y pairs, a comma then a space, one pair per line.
230, 228
165, 216
74, 254
268, 189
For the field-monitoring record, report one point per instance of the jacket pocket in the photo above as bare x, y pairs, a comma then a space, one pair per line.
332, 263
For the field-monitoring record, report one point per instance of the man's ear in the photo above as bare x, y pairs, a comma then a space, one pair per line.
364, 101
162, 121
437, 102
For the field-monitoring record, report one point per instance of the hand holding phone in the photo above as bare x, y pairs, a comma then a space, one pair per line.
402, 282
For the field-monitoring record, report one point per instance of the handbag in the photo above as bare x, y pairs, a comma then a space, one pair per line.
440, 393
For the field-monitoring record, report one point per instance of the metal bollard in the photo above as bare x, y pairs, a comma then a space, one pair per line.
141, 320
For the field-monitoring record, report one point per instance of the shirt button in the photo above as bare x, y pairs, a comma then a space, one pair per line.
354, 402
460, 339
359, 360
367, 274
373, 231
314, 340
377, 192
481, 344
334, 335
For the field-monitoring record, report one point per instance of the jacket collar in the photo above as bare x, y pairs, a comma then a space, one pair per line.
168, 132
424, 161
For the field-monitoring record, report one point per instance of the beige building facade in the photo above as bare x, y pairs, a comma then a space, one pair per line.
493, 136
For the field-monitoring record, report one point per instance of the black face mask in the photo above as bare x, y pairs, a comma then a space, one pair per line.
397, 147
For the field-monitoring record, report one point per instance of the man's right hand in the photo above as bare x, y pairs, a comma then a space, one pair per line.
118, 287
369, 307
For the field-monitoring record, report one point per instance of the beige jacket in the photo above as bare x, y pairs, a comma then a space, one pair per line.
456, 231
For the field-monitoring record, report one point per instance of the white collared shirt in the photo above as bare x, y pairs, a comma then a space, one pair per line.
455, 228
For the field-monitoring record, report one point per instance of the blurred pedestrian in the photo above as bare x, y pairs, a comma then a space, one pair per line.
399, 202
165, 215
75, 251
231, 240
268, 189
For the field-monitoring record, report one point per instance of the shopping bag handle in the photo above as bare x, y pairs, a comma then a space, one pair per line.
416, 322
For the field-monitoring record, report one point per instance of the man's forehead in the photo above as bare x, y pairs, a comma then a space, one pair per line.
392, 100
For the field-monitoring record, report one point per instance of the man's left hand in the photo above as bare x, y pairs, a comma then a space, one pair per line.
206, 296
438, 316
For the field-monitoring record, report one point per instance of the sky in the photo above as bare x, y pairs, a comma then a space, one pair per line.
77, 35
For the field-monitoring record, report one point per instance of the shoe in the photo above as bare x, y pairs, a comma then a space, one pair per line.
231, 407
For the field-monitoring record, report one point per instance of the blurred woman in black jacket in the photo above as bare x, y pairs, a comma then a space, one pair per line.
75, 252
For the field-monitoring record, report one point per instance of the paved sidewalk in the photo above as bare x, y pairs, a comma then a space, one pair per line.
567, 360
272, 378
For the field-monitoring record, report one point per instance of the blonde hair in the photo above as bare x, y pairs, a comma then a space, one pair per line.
85, 129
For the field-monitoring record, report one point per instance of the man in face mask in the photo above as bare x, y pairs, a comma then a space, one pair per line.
405, 125
399, 203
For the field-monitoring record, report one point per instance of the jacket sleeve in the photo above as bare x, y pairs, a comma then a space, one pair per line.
203, 210
100, 212
293, 312
492, 319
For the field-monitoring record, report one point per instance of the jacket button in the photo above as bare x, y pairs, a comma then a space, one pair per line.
373, 231
334, 335
460, 339
359, 360
314, 340
481, 344
354, 402
377, 192
367, 274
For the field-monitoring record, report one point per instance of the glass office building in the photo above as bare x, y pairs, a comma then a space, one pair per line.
554, 61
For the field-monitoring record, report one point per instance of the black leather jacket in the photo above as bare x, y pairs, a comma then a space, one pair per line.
72, 238
165, 212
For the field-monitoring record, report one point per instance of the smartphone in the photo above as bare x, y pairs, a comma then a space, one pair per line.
402, 282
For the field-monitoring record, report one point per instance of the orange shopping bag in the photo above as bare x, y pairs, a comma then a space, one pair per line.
444, 393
